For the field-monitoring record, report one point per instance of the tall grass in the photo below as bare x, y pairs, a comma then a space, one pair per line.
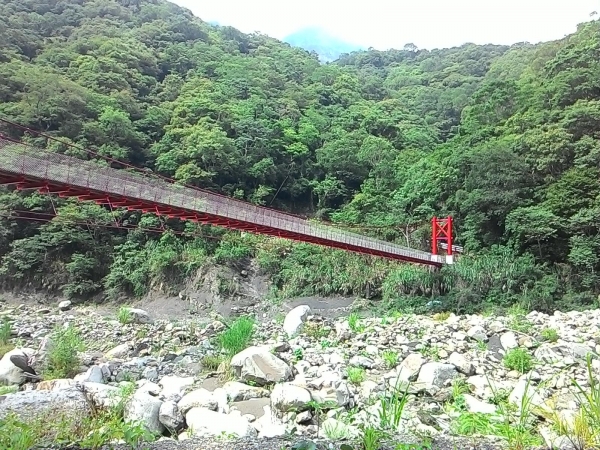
237, 337
5, 332
63, 360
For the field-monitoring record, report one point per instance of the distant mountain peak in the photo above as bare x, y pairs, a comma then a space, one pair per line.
328, 47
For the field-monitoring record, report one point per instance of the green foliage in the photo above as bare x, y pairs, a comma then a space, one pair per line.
62, 359
356, 375
390, 358
124, 315
518, 359
393, 402
549, 335
237, 336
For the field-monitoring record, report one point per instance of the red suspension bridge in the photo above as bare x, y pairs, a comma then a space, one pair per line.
28, 167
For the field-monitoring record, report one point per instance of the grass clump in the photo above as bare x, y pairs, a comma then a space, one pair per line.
211, 362
441, 316
549, 335
237, 337
124, 315
518, 359
316, 330
390, 358
5, 333
469, 424
356, 375
354, 323
63, 360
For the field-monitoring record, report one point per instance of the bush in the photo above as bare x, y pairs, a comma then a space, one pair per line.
237, 337
518, 359
63, 360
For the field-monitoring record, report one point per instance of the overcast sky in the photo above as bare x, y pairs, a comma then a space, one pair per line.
385, 24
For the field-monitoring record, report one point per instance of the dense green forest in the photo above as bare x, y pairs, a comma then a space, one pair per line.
505, 139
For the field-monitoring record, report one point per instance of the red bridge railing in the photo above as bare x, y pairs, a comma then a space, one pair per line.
31, 167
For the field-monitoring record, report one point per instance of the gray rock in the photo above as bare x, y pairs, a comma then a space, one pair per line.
362, 361
258, 365
436, 374
34, 405
9, 373
477, 333
118, 352
170, 416
509, 340
203, 422
93, 375
462, 364
409, 368
139, 316
288, 397
294, 320
144, 408
237, 392
64, 305
199, 398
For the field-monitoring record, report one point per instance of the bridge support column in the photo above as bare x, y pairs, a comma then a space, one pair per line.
441, 230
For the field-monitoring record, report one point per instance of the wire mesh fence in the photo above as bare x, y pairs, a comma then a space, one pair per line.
37, 164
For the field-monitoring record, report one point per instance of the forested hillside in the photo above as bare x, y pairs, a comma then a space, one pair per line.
504, 139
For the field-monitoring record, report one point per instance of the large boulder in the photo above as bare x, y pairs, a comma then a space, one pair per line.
203, 422
258, 365
9, 373
33, 405
170, 416
144, 408
238, 392
138, 316
199, 398
436, 374
294, 320
288, 397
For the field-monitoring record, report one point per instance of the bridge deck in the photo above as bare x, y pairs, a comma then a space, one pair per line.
30, 167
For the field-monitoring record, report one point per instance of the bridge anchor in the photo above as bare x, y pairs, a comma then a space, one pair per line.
441, 230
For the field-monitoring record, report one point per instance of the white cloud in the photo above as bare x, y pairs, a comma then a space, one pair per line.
387, 23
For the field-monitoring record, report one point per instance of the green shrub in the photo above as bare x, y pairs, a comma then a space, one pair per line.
237, 337
390, 358
549, 334
124, 316
519, 360
356, 375
62, 359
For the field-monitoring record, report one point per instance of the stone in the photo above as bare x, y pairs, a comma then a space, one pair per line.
477, 406
93, 375
173, 386
287, 397
118, 352
139, 316
64, 305
436, 374
258, 365
477, 333
294, 320
203, 422
35, 405
362, 361
199, 398
102, 396
150, 373
462, 364
55, 385
509, 340
343, 331
237, 392
409, 368
170, 416
9, 373
144, 408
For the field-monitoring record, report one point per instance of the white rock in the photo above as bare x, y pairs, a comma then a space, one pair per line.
269, 426
93, 375
287, 397
144, 408
258, 365
170, 416
118, 352
34, 405
409, 368
462, 364
362, 361
139, 316
477, 333
509, 340
436, 374
9, 373
237, 392
101, 395
64, 305
343, 331
220, 396
477, 406
294, 320
173, 386
203, 422
199, 398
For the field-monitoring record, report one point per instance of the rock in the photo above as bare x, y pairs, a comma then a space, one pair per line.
199, 398
294, 320
144, 408
436, 374
55, 385
203, 422
9, 373
64, 305
337, 428
102, 396
170, 416
150, 373
477, 333
476, 406
462, 364
237, 392
287, 397
362, 361
93, 375
409, 368
258, 365
173, 386
338, 395
139, 316
509, 340
33, 405
118, 352
343, 331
